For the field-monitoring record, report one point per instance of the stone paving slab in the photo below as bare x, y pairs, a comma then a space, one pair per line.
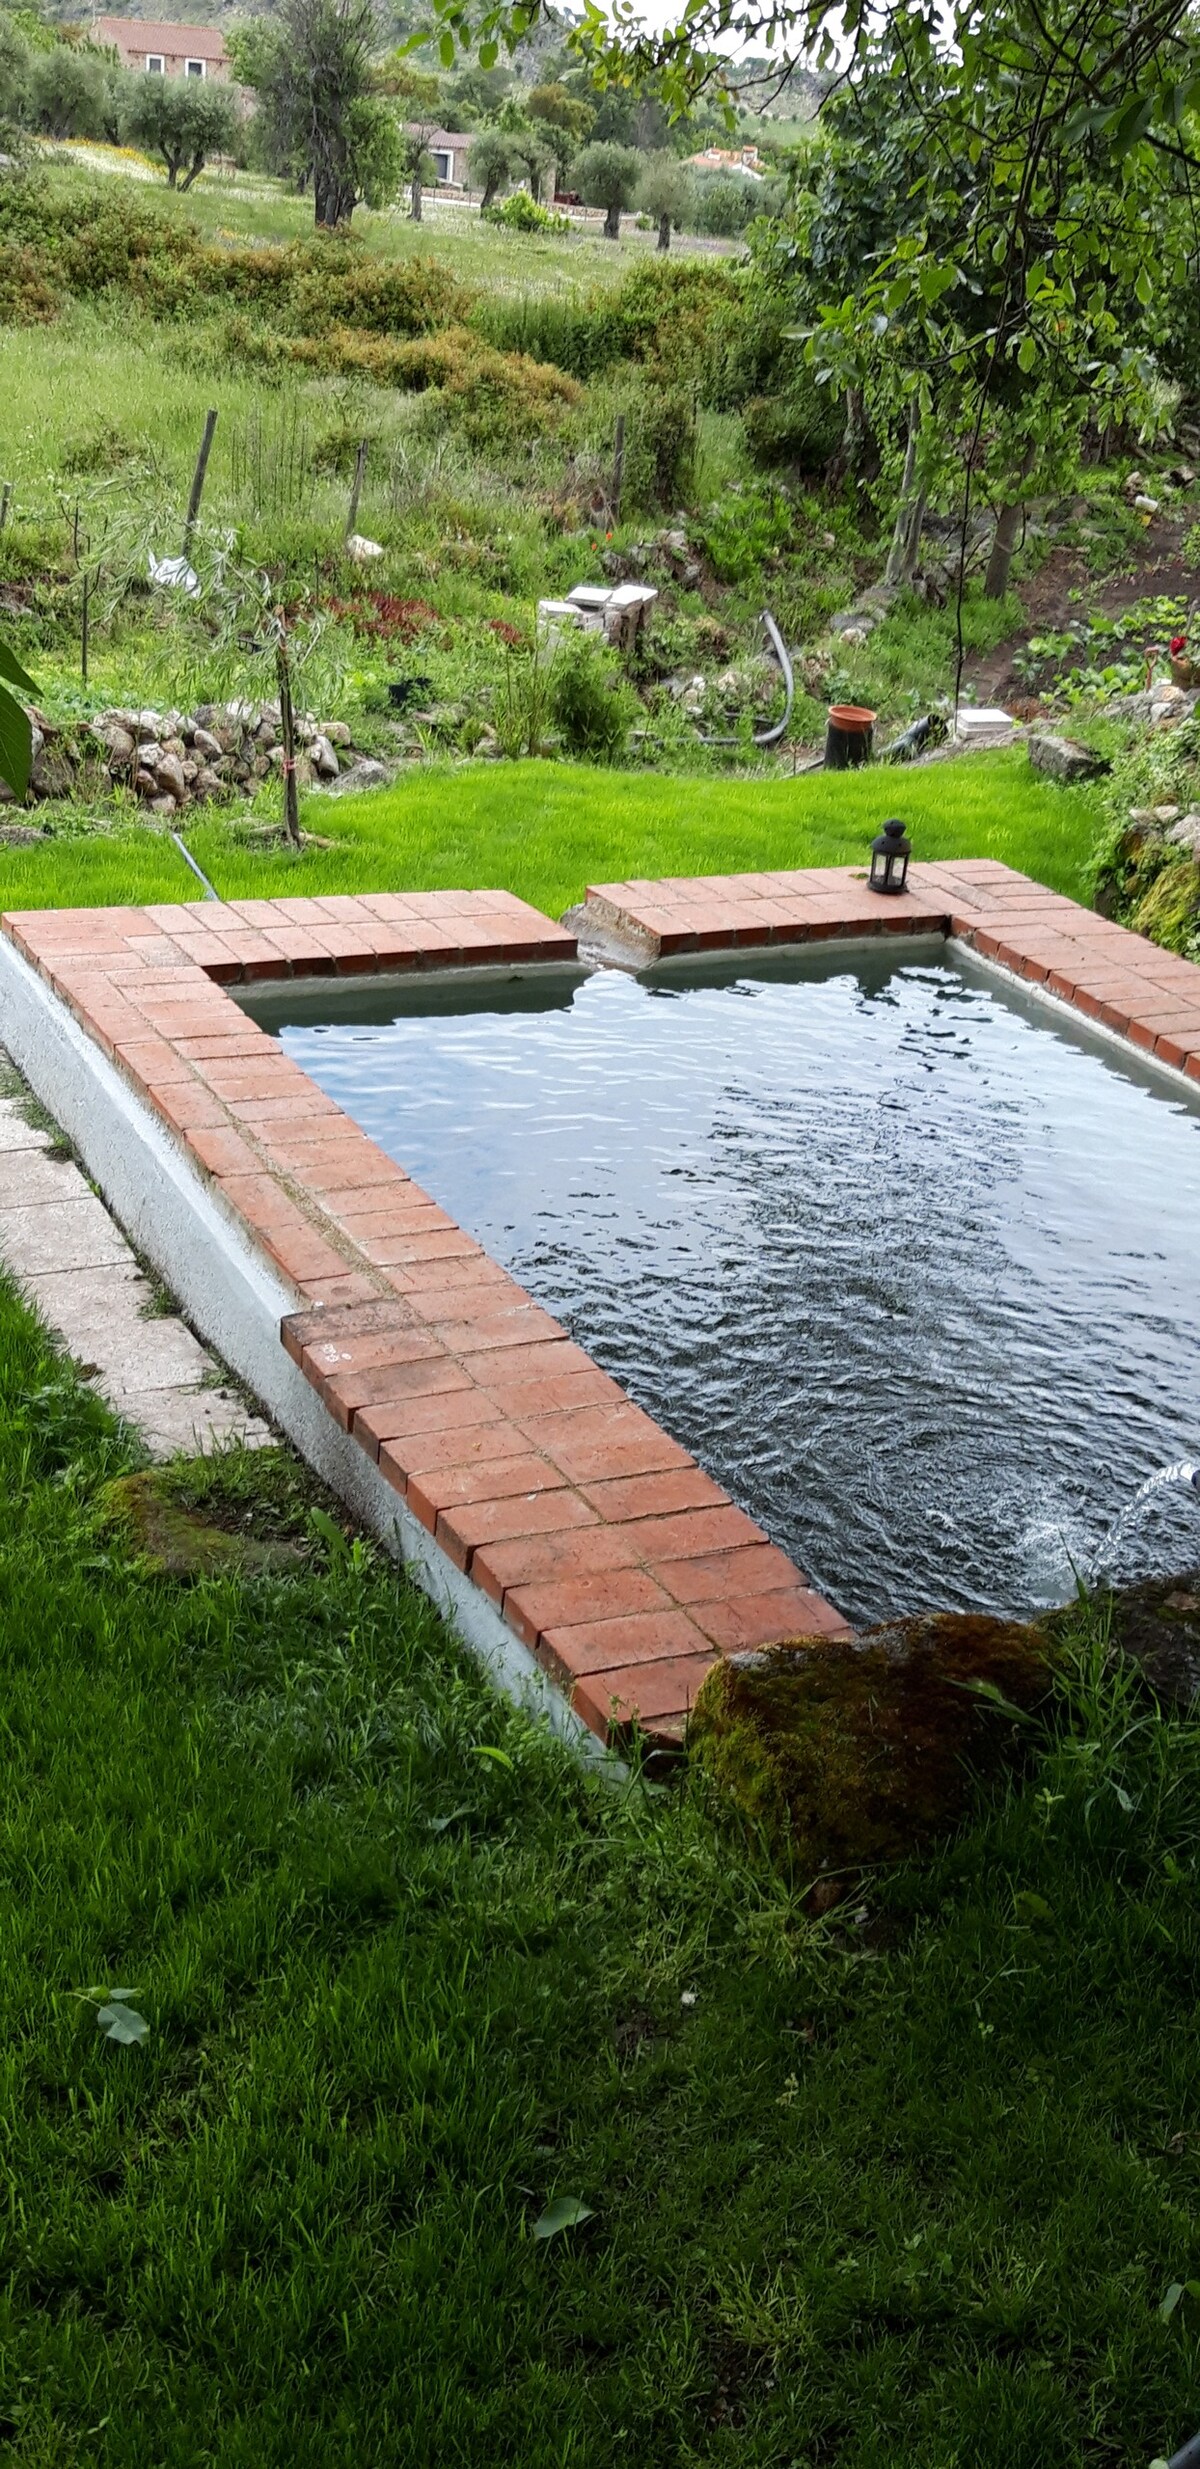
76, 1268
610, 1553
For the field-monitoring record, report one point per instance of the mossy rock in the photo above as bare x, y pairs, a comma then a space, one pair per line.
1169, 913
177, 1541
855, 1749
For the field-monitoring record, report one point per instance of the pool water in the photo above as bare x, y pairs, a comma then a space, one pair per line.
908, 1265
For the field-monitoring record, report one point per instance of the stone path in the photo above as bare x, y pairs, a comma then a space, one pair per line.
60, 1244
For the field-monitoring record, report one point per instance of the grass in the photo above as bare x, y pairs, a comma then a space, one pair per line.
908, 2184
545, 830
251, 206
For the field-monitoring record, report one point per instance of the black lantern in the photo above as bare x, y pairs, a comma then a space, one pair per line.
890, 853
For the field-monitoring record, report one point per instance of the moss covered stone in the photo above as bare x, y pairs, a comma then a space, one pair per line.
178, 1541
857, 1750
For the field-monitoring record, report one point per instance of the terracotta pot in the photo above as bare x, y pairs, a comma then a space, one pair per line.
849, 738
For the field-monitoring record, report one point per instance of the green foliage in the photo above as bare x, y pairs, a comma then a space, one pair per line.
801, 426
665, 190
607, 175
592, 707
749, 525
184, 119
313, 70
724, 203
521, 212
68, 91
15, 739
489, 165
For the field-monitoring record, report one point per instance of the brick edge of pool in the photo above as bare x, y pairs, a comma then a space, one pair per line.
602, 1544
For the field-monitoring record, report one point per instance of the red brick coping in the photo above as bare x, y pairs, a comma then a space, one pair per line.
608, 1551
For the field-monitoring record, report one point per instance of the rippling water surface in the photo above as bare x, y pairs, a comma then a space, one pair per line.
912, 1272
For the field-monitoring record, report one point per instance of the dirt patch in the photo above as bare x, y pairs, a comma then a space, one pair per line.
1160, 571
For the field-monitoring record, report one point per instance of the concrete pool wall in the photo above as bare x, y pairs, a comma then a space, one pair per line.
583, 1554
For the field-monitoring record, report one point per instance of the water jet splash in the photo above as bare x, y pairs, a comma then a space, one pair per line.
1183, 1470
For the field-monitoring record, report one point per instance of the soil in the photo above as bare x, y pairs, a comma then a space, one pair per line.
1159, 571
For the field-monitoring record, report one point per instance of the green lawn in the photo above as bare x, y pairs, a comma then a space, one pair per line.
907, 2186
545, 830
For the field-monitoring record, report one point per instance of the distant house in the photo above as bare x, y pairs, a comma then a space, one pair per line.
718, 158
158, 50
449, 149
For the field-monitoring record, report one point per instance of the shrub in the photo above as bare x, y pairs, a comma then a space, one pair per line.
521, 212
497, 398
723, 203
407, 296
27, 298
590, 703
801, 426
660, 440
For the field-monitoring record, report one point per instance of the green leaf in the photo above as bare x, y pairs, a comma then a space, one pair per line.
497, 1757
446, 50
322, 1524
992, 1696
1031, 1907
1180, 2291
10, 668
1027, 355
16, 743
566, 2212
123, 2024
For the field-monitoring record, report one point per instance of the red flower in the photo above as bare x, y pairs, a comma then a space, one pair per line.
1178, 645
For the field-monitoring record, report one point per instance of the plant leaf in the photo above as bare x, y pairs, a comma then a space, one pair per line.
123, 2024
499, 1757
16, 743
330, 1533
566, 2212
11, 669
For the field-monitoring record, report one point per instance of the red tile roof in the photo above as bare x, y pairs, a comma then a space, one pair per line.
152, 34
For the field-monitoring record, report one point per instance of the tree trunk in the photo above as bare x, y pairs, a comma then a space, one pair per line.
172, 174
910, 513
196, 169
333, 201
664, 232
1005, 538
414, 197
612, 223
489, 196
1004, 541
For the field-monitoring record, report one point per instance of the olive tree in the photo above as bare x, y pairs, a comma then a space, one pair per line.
312, 69
607, 175
182, 119
664, 192
68, 91
489, 165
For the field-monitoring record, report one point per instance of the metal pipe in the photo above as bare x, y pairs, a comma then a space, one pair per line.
1188, 2457
198, 871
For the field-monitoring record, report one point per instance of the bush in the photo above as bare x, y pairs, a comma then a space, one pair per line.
660, 443
405, 296
590, 703
723, 203
802, 426
27, 298
521, 212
